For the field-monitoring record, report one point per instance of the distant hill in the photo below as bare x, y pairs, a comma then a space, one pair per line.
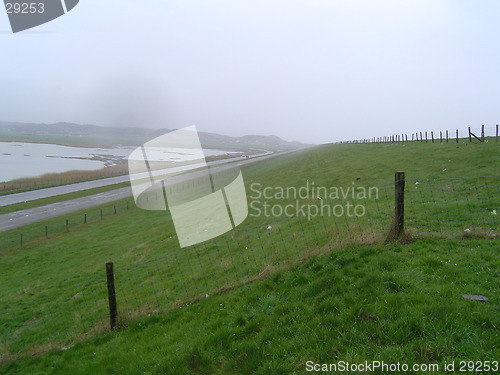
102, 136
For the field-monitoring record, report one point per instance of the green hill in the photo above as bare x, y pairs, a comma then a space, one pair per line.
276, 292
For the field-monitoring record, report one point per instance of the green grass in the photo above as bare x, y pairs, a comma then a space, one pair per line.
56, 287
394, 304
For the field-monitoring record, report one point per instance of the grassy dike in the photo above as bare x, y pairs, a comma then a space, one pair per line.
394, 304
358, 303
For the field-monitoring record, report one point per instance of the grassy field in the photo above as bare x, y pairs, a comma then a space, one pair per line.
353, 303
394, 303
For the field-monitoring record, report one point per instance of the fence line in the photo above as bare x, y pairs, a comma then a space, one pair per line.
35, 232
452, 207
482, 134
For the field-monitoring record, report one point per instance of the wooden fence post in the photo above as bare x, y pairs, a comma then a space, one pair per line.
399, 206
447, 136
497, 133
457, 135
67, 224
432, 135
85, 218
482, 133
470, 135
113, 312
46, 232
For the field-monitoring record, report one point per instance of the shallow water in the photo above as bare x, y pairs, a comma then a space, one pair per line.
19, 159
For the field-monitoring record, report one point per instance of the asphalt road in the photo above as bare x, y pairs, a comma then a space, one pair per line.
32, 215
27, 196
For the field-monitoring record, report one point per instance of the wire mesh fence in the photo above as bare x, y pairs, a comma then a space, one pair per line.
453, 206
52, 228
471, 134
36, 321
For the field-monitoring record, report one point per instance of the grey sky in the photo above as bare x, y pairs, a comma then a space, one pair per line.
312, 70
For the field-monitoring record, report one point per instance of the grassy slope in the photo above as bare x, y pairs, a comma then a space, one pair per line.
394, 304
137, 236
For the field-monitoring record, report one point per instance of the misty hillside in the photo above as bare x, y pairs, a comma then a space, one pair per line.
102, 136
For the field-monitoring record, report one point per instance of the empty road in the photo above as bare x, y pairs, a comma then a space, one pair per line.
33, 215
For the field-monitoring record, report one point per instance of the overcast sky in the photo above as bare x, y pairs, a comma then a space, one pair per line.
312, 70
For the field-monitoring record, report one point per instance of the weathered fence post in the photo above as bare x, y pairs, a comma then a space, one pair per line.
432, 136
114, 209
110, 276
397, 230
482, 133
67, 224
470, 135
85, 218
457, 135
497, 133
447, 136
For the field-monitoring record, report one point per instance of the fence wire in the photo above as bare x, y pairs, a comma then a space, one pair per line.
35, 322
453, 206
